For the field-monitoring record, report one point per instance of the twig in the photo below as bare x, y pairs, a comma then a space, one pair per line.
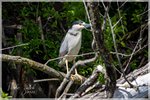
81, 55
142, 61
121, 54
93, 42
48, 19
105, 17
121, 17
117, 22
127, 55
14, 46
141, 32
143, 13
122, 4
44, 80
62, 27
87, 14
117, 69
131, 56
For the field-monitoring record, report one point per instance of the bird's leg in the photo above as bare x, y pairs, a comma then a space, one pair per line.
76, 73
67, 66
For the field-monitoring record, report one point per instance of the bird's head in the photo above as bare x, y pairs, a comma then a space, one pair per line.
79, 25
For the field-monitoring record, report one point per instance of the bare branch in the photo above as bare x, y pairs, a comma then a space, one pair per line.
127, 55
86, 9
14, 46
44, 80
144, 12
81, 55
117, 22
66, 79
105, 17
122, 4
131, 56
120, 16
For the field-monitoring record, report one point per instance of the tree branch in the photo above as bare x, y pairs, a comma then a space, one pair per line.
66, 79
89, 82
35, 65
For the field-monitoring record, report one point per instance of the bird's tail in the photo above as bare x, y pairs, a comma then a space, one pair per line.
61, 63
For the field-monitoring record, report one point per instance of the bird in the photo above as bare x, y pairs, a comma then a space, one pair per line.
71, 43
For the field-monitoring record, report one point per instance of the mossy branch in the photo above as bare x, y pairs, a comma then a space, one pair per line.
35, 65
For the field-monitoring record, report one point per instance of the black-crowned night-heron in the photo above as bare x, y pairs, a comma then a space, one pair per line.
72, 43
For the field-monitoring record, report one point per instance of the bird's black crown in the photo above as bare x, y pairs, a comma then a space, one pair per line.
77, 22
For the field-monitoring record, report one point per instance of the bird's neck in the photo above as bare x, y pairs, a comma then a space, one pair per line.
74, 32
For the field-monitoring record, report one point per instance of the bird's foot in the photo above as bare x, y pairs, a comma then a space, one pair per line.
76, 77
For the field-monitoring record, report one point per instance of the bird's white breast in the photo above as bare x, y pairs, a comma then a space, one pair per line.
74, 45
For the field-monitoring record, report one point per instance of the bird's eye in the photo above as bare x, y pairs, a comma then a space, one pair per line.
80, 24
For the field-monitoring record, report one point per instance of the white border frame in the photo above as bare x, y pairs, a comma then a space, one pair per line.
69, 1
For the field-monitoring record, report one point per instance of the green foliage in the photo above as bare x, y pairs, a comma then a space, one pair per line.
4, 96
136, 17
134, 65
101, 78
56, 20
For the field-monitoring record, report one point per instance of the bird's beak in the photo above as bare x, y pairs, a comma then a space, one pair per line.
87, 26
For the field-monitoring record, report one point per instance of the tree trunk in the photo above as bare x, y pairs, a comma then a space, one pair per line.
99, 39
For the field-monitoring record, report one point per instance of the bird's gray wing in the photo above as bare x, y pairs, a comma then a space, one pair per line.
63, 50
64, 47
